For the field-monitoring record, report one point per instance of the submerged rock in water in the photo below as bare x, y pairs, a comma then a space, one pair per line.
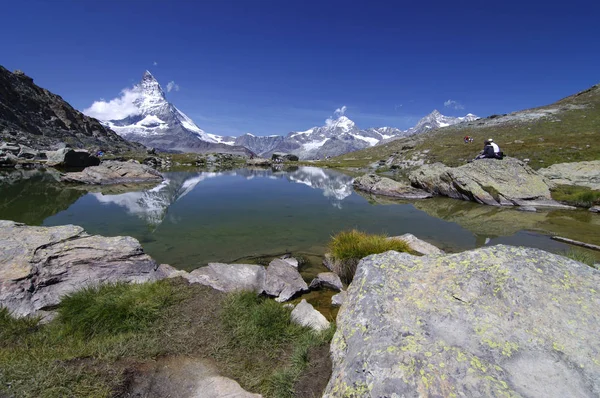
496, 321
230, 277
283, 280
113, 172
507, 182
39, 265
327, 279
585, 174
304, 314
378, 185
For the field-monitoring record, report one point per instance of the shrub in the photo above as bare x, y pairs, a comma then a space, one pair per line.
114, 308
347, 248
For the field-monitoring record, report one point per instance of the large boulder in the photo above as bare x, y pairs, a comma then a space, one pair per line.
258, 162
230, 277
586, 174
495, 321
7, 159
378, 185
113, 172
283, 280
68, 157
39, 265
507, 182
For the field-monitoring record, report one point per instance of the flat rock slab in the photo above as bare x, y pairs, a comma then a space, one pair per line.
230, 277
329, 280
113, 172
496, 321
506, 182
378, 185
419, 246
585, 174
305, 314
39, 265
184, 378
283, 280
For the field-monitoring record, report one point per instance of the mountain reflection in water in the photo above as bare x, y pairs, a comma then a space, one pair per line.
193, 218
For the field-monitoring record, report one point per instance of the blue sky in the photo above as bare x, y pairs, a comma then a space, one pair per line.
270, 67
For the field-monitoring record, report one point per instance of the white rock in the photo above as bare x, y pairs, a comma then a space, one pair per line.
304, 314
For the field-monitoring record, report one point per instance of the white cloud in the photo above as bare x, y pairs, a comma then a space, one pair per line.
117, 108
453, 104
339, 112
172, 86
155, 63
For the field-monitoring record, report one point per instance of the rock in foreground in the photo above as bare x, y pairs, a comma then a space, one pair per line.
378, 185
507, 182
39, 265
585, 174
497, 321
113, 172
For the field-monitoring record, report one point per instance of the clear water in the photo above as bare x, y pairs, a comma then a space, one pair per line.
198, 217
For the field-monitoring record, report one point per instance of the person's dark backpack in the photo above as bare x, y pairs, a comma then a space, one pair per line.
500, 155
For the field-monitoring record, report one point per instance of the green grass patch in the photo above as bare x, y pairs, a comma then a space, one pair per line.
576, 196
114, 308
261, 336
347, 248
103, 333
583, 256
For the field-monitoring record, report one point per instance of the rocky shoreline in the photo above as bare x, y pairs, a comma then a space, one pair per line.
484, 321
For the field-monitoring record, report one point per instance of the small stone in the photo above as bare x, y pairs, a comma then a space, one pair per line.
338, 299
595, 209
327, 279
305, 315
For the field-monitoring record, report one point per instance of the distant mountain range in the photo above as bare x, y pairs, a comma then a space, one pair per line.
158, 123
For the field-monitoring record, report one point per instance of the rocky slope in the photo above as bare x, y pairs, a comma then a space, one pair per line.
497, 321
565, 131
158, 123
38, 118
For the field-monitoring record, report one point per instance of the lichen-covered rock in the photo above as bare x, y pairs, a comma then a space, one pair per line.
506, 182
327, 279
229, 277
283, 280
378, 185
418, 246
304, 314
113, 172
586, 174
39, 265
496, 321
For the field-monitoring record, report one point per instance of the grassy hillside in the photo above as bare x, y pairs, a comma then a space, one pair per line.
566, 131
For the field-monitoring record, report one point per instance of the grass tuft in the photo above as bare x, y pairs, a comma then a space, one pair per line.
114, 308
576, 196
583, 256
14, 329
347, 248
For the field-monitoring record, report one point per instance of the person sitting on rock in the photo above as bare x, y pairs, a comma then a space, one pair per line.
494, 145
488, 151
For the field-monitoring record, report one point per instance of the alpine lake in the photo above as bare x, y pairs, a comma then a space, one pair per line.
253, 215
